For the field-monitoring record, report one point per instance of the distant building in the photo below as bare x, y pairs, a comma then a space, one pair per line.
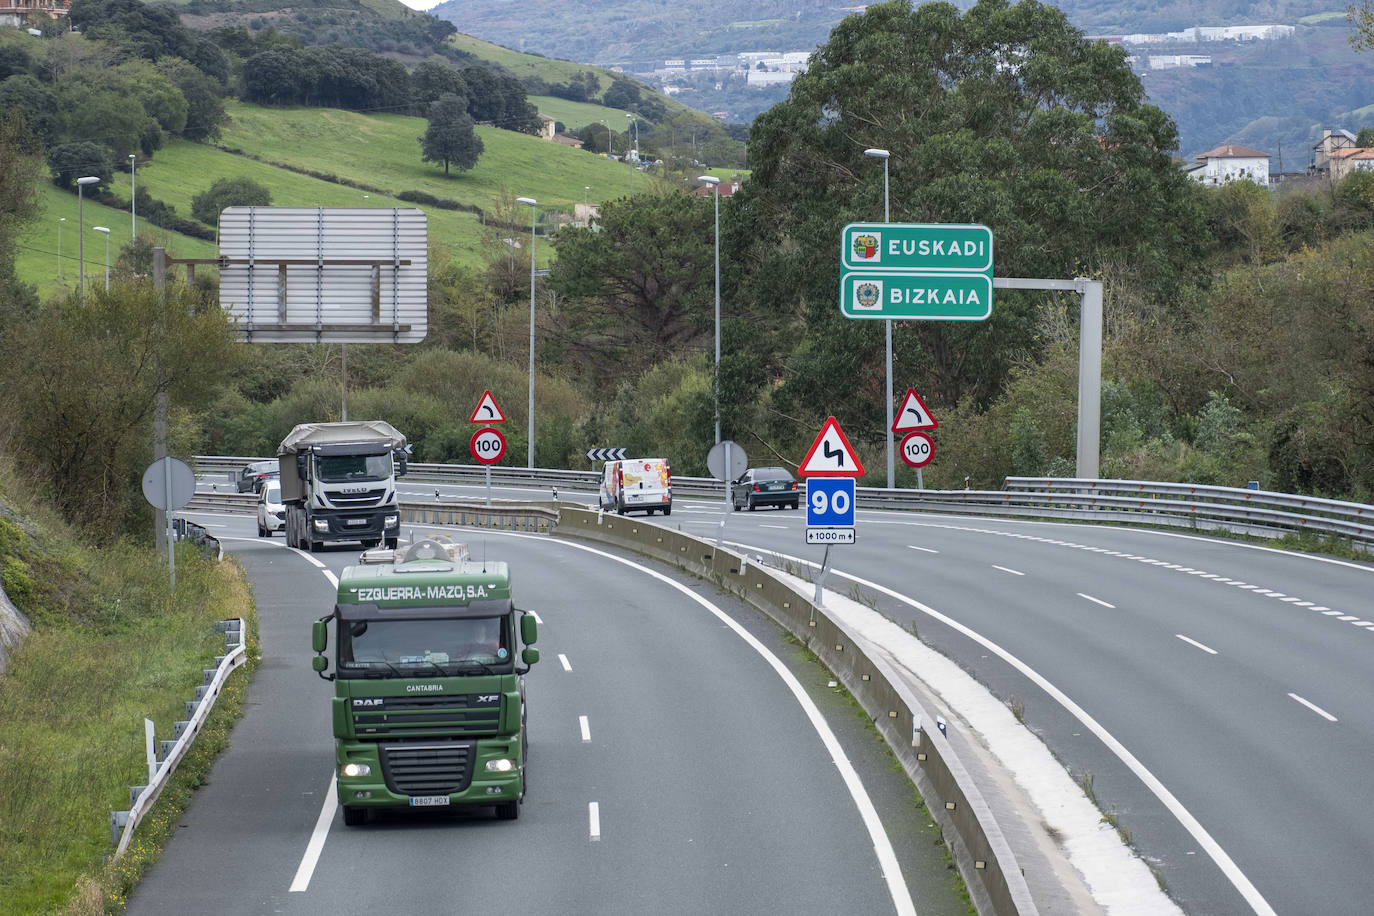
1351, 159
15, 13
1231, 163
1331, 142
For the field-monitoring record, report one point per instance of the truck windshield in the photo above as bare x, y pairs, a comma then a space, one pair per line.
415, 648
339, 468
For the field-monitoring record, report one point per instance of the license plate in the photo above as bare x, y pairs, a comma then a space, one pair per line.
356, 522
428, 801
775, 486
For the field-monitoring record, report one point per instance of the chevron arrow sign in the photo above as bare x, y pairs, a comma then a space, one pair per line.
606, 454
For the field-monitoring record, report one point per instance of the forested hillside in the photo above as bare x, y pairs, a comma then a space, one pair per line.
1239, 332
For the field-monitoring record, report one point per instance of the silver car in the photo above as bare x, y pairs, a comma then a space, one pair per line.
271, 512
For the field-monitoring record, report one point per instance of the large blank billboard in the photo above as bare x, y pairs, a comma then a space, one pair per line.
320, 274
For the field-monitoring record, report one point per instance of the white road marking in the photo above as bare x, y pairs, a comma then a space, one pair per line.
1097, 601
1193, 642
586, 728
1315, 708
563, 659
316, 845
922, 549
594, 820
537, 619
782, 527
1014, 572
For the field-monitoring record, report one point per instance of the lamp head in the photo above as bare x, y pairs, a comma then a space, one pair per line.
876, 153
101, 229
89, 179
708, 179
525, 200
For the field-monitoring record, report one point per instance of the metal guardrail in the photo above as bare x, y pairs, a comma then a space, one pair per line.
1242, 511
141, 798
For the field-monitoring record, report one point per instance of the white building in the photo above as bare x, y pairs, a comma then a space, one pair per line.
1231, 163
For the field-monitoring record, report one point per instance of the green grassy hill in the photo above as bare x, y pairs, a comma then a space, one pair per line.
377, 151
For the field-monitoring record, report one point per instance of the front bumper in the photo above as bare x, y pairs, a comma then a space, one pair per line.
385, 786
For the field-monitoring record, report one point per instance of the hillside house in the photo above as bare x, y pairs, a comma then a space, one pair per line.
15, 13
1331, 141
1350, 159
1231, 163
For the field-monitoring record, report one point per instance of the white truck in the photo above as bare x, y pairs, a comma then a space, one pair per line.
338, 483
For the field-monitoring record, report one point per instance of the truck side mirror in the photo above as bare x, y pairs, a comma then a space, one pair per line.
529, 656
301, 464
319, 637
529, 630
319, 663
401, 463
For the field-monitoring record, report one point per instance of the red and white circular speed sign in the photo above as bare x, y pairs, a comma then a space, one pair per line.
918, 449
488, 446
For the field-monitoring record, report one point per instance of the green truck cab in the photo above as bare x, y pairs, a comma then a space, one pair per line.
429, 703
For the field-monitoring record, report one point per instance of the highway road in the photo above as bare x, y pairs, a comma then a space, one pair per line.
684, 758
1214, 691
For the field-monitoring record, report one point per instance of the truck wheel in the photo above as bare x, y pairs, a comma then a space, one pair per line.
508, 811
391, 543
668, 509
354, 816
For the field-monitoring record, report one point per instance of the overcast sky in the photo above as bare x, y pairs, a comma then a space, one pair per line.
421, 4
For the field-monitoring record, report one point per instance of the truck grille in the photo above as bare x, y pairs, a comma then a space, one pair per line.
435, 714
357, 500
431, 768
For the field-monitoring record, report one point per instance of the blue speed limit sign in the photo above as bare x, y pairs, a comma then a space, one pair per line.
830, 501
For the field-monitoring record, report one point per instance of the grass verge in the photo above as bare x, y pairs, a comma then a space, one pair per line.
111, 645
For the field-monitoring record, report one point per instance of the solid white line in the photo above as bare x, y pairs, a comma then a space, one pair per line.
316, 844
586, 728
922, 549
1014, 572
1196, 644
1097, 600
1218, 855
1315, 708
782, 527
594, 820
567, 666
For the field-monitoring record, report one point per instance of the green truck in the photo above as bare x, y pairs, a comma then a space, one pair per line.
429, 703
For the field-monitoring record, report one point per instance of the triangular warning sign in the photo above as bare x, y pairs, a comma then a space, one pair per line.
487, 411
913, 415
831, 455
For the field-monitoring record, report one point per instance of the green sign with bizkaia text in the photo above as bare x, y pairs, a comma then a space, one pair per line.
916, 271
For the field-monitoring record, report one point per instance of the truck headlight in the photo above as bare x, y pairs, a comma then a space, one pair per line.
322, 524
356, 769
503, 765
392, 520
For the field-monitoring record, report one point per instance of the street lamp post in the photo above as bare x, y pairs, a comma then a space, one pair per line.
586, 207
105, 230
534, 212
133, 197
887, 323
714, 182
60, 221
81, 226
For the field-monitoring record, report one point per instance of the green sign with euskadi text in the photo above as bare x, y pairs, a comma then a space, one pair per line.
916, 271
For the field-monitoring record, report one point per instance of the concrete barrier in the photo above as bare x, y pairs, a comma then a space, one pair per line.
984, 857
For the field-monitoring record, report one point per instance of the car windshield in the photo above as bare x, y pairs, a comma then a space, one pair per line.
373, 646
336, 468
271, 493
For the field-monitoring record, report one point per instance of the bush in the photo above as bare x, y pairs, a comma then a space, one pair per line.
228, 192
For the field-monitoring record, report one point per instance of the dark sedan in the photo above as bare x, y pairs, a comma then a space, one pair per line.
252, 475
765, 487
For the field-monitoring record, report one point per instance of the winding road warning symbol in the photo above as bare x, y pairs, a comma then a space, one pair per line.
831, 455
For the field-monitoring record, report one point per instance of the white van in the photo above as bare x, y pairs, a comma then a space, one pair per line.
637, 483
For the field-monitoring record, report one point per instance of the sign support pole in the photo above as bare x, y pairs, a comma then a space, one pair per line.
488, 469
820, 577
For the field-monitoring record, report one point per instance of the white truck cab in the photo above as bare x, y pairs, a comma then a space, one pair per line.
636, 484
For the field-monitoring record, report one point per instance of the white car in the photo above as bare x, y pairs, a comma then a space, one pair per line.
271, 512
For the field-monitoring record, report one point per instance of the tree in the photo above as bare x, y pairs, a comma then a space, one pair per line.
71, 161
432, 79
1361, 16
205, 112
451, 136
228, 192
1002, 115
34, 102
79, 381
642, 281
19, 150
